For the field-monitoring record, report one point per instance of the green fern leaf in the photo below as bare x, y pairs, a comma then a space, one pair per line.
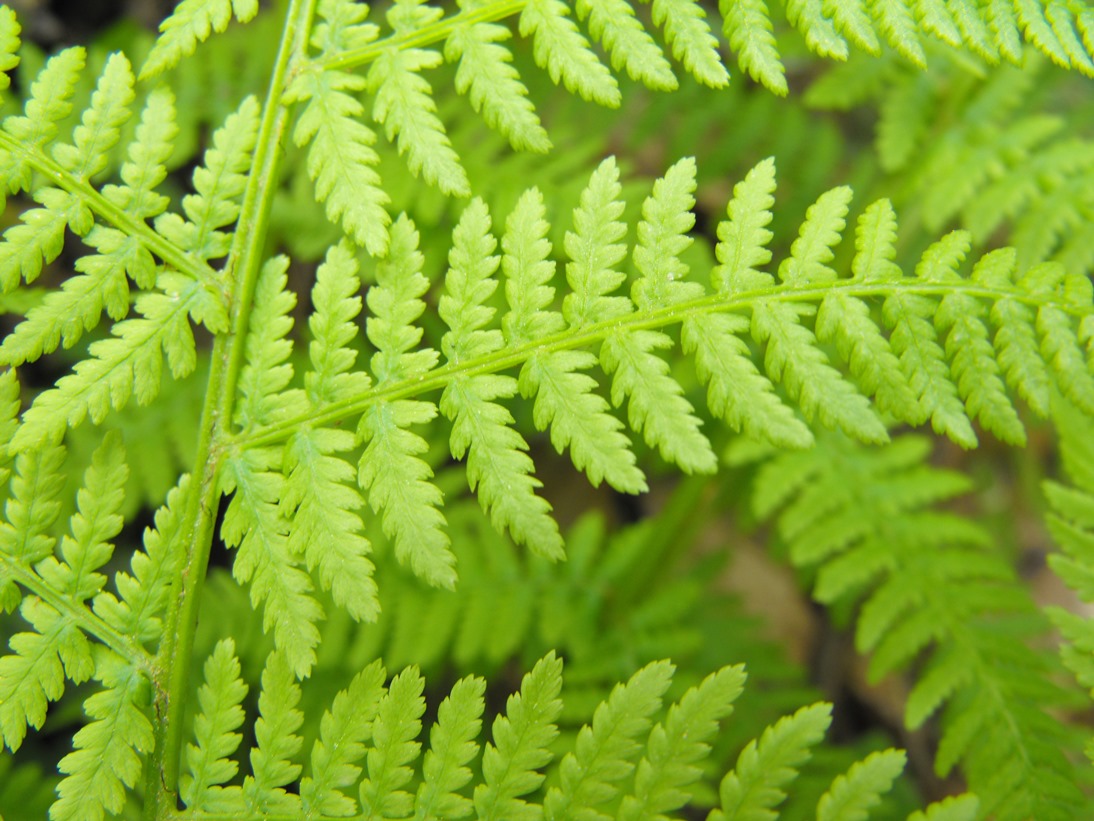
498, 467
657, 407
100, 126
9, 421
565, 401
219, 184
692, 42
736, 390
847, 320
971, 355
753, 790
852, 795
209, 762
612, 23
486, 74
107, 754
403, 102
49, 103
748, 28
452, 746
319, 499
561, 49
666, 773
1058, 340
604, 753
66, 314
899, 28
26, 535
130, 362
341, 161
522, 739
852, 20
922, 359
341, 744
192, 22
820, 35
9, 44
276, 742
391, 468
397, 724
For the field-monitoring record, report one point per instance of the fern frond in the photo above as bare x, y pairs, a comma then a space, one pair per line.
955, 808
452, 746
613, 23
753, 790
604, 752
852, 795
692, 42
397, 724
485, 73
391, 467
9, 421
9, 44
341, 159
276, 740
521, 745
562, 50
404, 105
209, 762
192, 22
107, 754
65, 315
929, 590
497, 463
341, 745
666, 773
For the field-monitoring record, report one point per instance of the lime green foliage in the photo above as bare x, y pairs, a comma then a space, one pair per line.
362, 398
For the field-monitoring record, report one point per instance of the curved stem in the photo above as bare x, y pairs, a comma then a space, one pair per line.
195, 536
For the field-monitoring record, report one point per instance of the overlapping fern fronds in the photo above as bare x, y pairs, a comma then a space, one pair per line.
930, 593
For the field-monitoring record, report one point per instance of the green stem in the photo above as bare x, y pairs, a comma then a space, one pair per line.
172, 681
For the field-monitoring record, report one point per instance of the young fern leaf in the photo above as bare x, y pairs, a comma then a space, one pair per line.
565, 401
397, 724
498, 467
209, 762
341, 745
391, 468
341, 159
9, 44
276, 742
521, 745
9, 421
852, 795
452, 746
956, 808
320, 499
65, 315
613, 23
604, 753
670, 767
691, 39
657, 407
485, 73
561, 49
753, 790
192, 22
253, 519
